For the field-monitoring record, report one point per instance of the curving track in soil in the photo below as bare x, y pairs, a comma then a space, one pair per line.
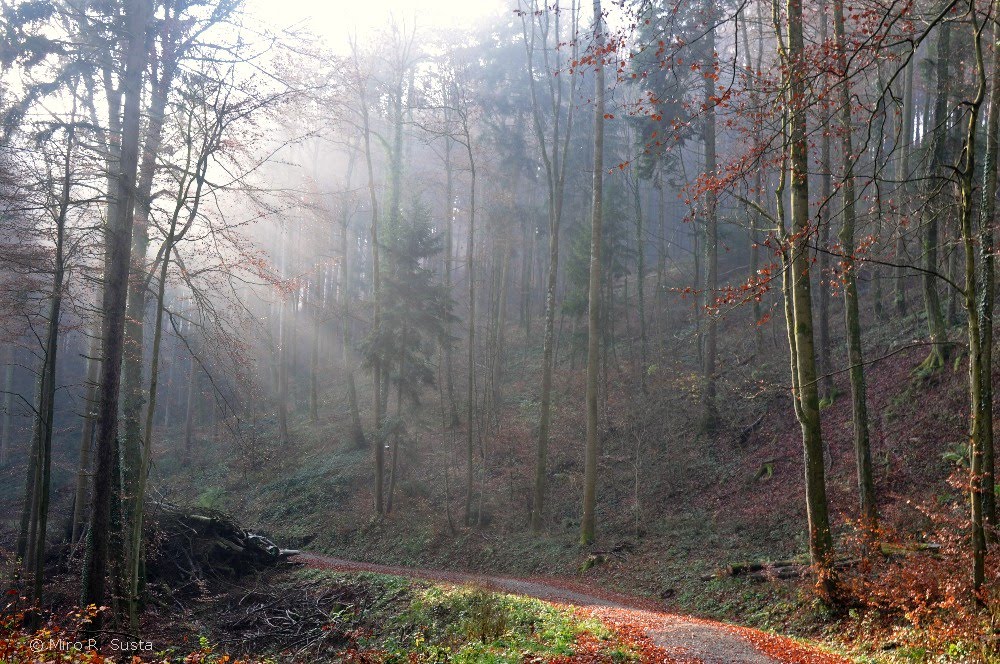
674, 638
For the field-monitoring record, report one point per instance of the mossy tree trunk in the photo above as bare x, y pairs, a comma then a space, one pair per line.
978, 372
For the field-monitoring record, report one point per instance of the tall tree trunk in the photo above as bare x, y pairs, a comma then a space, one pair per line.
587, 523
825, 220
449, 259
132, 395
394, 463
118, 247
755, 217
284, 342
661, 242
86, 436
640, 285
710, 415
184, 198
555, 171
979, 372
135, 536
903, 177
317, 307
357, 431
377, 304
25, 537
471, 387
987, 285
800, 323
932, 303
855, 356
47, 380
192, 405
8, 402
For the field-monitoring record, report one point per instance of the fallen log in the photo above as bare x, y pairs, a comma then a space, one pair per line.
781, 569
786, 569
889, 549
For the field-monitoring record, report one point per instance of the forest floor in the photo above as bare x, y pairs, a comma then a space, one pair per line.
676, 638
676, 508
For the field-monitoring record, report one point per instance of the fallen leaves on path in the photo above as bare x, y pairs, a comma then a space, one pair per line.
634, 621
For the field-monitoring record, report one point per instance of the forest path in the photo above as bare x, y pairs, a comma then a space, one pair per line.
679, 638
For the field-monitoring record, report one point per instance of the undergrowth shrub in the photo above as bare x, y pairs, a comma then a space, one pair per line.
920, 594
486, 616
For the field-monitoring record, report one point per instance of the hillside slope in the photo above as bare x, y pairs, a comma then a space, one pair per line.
674, 505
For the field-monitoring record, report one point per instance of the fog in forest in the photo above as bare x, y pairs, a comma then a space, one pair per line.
501, 331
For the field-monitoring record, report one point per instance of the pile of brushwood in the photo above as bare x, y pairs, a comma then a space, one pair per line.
305, 620
191, 546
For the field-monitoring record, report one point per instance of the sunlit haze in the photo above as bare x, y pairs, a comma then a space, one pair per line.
335, 20
383, 331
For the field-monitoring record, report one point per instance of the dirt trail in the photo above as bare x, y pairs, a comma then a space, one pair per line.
680, 638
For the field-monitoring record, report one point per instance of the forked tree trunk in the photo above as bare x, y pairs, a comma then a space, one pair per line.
798, 298
132, 394
118, 248
176, 231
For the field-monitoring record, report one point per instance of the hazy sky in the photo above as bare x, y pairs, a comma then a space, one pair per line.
334, 19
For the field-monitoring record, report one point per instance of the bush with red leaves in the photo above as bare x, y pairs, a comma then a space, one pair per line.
926, 589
